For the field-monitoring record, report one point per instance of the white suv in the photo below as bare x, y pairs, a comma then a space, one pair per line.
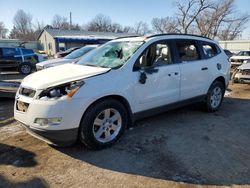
119, 82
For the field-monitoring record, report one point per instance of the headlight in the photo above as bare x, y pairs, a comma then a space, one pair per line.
68, 89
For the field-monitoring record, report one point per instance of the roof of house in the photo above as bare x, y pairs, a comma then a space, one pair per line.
59, 33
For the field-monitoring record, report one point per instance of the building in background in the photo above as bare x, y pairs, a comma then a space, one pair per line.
34, 45
235, 45
55, 40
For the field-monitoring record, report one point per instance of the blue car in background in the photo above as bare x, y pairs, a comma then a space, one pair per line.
24, 60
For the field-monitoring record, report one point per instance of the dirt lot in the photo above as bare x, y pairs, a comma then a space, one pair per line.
182, 148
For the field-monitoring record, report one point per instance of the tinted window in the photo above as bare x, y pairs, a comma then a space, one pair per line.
8, 51
27, 51
209, 50
187, 50
156, 54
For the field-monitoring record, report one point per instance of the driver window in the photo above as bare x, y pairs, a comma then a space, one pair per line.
157, 54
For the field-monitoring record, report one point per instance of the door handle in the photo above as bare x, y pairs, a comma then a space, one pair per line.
176, 73
204, 68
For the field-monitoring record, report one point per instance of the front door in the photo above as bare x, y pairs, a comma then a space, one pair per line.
157, 77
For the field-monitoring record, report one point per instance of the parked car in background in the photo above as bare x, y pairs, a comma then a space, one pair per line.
242, 74
64, 53
42, 56
124, 80
228, 52
24, 60
70, 58
239, 58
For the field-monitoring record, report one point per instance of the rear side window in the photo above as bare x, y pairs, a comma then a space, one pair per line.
187, 50
8, 52
210, 50
27, 51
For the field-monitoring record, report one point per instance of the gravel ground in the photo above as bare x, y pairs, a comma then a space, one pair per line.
186, 147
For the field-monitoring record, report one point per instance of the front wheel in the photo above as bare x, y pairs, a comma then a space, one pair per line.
214, 96
103, 124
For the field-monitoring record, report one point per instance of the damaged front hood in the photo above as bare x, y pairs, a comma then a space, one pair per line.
60, 74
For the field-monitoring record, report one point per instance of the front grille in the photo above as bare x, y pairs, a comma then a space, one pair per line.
27, 92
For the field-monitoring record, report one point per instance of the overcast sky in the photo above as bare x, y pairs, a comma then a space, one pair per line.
125, 12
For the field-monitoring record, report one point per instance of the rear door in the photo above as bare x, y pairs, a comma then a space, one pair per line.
194, 69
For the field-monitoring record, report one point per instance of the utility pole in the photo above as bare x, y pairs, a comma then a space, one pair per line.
70, 20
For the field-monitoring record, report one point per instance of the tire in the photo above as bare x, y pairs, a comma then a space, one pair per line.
103, 124
215, 96
25, 68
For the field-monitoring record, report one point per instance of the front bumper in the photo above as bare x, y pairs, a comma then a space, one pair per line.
54, 137
69, 110
242, 78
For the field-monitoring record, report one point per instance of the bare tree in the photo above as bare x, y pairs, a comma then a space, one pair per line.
164, 25
141, 28
103, 23
60, 22
100, 23
221, 21
23, 28
117, 28
3, 30
187, 12
127, 29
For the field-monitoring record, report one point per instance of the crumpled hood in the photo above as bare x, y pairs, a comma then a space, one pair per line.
53, 62
240, 57
60, 74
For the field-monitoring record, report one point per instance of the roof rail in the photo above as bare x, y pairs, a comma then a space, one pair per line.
181, 34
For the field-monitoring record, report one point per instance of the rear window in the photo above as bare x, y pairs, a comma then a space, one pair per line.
27, 51
8, 51
210, 50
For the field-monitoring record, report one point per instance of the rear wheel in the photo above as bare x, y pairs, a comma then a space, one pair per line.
103, 124
214, 96
25, 68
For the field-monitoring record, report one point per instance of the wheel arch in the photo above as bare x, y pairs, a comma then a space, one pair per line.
221, 79
118, 98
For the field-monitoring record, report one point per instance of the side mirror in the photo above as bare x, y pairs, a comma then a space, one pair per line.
143, 78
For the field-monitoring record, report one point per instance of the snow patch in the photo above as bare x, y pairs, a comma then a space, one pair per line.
228, 93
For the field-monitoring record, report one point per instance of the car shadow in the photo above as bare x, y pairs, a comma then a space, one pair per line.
34, 182
183, 145
11, 155
6, 111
